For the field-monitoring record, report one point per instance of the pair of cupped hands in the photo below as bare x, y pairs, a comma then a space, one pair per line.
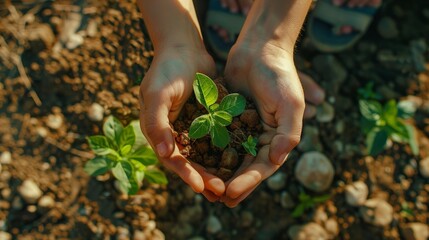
266, 74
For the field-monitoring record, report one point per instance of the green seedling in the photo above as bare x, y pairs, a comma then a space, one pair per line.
368, 92
219, 115
306, 202
124, 152
250, 145
381, 123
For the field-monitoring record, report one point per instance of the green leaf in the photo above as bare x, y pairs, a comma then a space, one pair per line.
138, 166
321, 199
371, 110
205, 90
412, 139
233, 104
222, 118
97, 166
376, 140
112, 128
250, 145
367, 125
298, 211
125, 150
127, 137
123, 172
219, 135
139, 176
156, 176
140, 139
398, 132
390, 113
199, 127
101, 145
144, 155
214, 107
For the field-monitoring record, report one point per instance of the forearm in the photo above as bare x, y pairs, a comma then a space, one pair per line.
277, 22
171, 23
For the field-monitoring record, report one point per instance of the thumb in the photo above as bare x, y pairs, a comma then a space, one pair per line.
155, 125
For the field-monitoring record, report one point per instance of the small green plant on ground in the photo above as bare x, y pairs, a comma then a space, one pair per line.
381, 123
306, 202
368, 92
125, 152
219, 115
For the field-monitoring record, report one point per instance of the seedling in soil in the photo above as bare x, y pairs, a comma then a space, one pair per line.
123, 150
306, 202
219, 115
367, 92
381, 123
250, 145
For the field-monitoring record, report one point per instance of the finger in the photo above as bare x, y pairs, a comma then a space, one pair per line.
252, 176
211, 183
313, 93
155, 124
211, 197
288, 134
231, 203
310, 111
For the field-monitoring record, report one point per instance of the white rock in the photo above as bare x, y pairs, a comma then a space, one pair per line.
325, 112
6, 158
415, 231
92, 28
29, 191
424, 167
320, 216
46, 202
277, 181
41, 131
356, 193
377, 212
331, 226
307, 232
5, 235
139, 235
213, 225
74, 41
54, 121
314, 171
286, 200
95, 112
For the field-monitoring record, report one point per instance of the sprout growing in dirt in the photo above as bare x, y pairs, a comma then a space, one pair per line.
306, 201
124, 151
250, 145
219, 115
381, 123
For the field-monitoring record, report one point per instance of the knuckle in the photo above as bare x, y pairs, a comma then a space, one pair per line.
294, 140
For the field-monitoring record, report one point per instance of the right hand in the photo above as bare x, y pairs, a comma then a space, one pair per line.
163, 92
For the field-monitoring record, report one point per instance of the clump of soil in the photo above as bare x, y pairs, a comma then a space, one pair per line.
220, 162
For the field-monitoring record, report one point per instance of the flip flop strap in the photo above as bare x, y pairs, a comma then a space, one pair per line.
338, 16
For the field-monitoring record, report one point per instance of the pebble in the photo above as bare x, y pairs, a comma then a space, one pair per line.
415, 231
277, 181
424, 167
387, 28
286, 200
6, 158
74, 41
139, 235
5, 236
54, 121
377, 212
29, 191
310, 139
331, 226
92, 28
229, 158
314, 171
250, 117
325, 112
122, 233
356, 193
213, 225
308, 231
95, 112
320, 216
46, 202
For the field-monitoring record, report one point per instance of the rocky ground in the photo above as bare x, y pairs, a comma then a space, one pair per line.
65, 66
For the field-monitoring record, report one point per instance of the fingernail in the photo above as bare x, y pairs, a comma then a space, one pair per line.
282, 159
161, 148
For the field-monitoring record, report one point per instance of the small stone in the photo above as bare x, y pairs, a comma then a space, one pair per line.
229, 158
139, 235
246, 219
320, 216
308, 231
46, 202
5, 236
286, 200
310, 140
29, 191
213, 225
6, 158
415, 231
95, 112
387, 28
6, 193
74, 41
40, 37
92, 28
331, 226
424, 167
54, 121
314, 171
250, 117
277, 181
377, 212
122, 233
356, 193
325, 113
42, 131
